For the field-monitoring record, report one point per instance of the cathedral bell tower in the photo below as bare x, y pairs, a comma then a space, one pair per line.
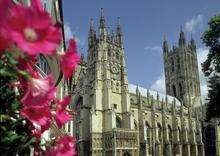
181, 70
107, 94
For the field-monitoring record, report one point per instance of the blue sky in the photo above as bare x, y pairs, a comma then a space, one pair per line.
144, 24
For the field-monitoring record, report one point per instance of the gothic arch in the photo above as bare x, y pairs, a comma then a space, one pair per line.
77, 101
174, 90
126, 153
159, 132
179, 133
178, 62
147, 132
135, 125
181, 90
132, 101
170, 135
186, 134
118, 122
43, 64
172, 65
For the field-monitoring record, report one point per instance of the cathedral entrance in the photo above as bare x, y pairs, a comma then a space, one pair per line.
126, 153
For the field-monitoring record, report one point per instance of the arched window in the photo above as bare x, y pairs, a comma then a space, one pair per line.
189, 62
186, 134
43, 66
174, 90
181, 90
132, 101
159, 132
179, 134
118, 122
178, 63
135, 125
170, 133
147, 132
172, 65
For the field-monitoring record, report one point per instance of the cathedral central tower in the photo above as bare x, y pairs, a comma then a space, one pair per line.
181, 70
107, 74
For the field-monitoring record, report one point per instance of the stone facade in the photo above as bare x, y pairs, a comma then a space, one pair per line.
181, 70
114, 119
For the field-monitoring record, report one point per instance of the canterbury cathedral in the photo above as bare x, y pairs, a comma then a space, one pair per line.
115, 118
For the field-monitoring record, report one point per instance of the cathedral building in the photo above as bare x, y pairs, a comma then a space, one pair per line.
114, 119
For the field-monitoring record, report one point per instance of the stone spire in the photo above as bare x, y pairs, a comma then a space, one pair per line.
102, 19
137, 91
192, 43
182, 40
91, 26
102, 26
92, 34
165, 45
119, 35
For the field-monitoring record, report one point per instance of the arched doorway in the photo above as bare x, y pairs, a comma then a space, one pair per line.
126, 153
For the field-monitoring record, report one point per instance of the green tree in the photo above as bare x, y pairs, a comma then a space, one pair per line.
211, 67
14, 131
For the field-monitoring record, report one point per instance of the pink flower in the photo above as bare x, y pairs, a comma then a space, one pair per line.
69, 60
65, 146
62, 116
40, 91
4, 7
3, 45
61, 104
32, 30
38, 115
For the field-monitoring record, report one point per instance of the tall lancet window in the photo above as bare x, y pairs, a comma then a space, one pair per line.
147, 132
178, 63
181, 90
159, 132
118, 122
179, 134
170, 133
174, 90
172, 65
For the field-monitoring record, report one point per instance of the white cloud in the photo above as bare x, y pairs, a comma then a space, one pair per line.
202, 55
194, 23
69, 33
159, 84
154, 48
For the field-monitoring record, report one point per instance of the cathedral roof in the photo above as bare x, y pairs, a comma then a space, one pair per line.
143, 91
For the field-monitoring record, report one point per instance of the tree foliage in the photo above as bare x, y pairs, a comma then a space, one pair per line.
14, 132
211, 66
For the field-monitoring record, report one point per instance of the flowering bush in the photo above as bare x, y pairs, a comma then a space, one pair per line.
29, 105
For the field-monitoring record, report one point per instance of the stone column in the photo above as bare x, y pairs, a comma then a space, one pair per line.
168, 151
193, 149
201, 150
186, 149
147, 148
217, 136
177, 149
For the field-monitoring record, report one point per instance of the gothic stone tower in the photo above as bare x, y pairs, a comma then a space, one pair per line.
181, 70
106, 93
